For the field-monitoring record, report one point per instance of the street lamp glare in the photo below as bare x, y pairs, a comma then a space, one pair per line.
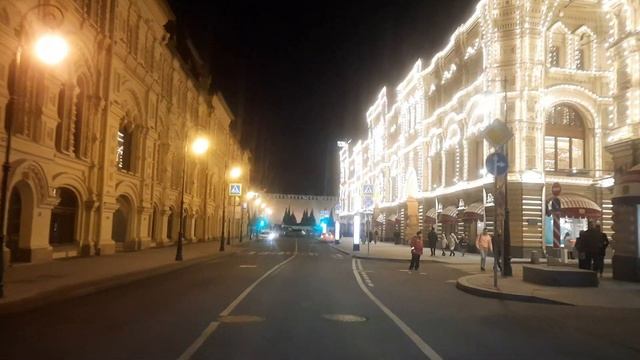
258, 201
51, 49
200, 146
263, 205
269, 211
235, 172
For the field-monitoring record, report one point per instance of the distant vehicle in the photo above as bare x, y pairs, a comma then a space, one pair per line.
295, 233
328, 237
266, 235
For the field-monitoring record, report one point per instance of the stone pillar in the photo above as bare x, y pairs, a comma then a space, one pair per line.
626, 205
34, 238
412, 225
162, 225
104, 244
85, 247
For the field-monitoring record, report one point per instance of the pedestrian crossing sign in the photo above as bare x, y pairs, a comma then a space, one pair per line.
235, 189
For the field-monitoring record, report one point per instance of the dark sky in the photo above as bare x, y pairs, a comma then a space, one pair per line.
304, 73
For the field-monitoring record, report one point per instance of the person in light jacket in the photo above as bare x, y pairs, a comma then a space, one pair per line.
443, 243
453, 241
483, 243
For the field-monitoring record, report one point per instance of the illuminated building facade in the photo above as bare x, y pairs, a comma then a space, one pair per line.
99, 141
572, 76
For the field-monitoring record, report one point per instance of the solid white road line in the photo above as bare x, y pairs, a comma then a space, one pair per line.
246, 292
199, 341
214, 325
423, 346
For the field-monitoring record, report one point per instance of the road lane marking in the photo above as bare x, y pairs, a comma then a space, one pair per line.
364, 275
199, 341
246, 292
248, 266
423, 346
214, 324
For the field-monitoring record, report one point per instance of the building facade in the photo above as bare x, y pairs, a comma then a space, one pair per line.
99, 141
564, 75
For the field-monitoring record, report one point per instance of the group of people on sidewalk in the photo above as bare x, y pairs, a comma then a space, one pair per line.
484, 243
591, 246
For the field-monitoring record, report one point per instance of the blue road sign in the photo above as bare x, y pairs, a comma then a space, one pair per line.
367, 189
235, 189
497, 164
368, 202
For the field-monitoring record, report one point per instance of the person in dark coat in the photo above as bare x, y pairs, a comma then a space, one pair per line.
432, 238
588, 247
603, 243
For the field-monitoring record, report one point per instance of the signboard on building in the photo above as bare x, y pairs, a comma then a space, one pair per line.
235, 189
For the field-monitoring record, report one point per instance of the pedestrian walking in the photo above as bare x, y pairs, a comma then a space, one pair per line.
375, 237
580, 249
603, 243
464, 243
416, 251
453, 241
443, 243
432, 238
483, 243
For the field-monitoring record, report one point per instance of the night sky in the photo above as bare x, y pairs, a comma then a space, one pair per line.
302, 74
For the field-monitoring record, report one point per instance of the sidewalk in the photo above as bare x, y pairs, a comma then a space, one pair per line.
30, 285
390, 251
610, 293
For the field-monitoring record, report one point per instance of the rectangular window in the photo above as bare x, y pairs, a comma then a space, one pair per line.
577, 153
564, 161
554, 56
580, 59
549, 153
120, 149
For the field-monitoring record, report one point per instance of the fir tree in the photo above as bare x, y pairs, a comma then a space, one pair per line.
312, 219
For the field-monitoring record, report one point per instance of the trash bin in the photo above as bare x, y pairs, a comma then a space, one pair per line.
535, 257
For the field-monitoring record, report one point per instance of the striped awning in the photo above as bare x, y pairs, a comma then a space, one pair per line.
392, 217
473, 212
449, 215
575, 206
431, 216
380, 218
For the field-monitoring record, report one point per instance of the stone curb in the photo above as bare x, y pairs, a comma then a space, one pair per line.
463, 284
93, 286
425, 259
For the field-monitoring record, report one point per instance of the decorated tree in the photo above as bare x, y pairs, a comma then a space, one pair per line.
311, 219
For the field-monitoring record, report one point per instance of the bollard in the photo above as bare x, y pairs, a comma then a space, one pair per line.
535, 257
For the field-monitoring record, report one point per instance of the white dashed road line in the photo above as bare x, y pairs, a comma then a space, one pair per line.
214, 324
423, 346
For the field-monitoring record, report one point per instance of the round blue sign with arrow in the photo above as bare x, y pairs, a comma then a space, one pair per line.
497, 164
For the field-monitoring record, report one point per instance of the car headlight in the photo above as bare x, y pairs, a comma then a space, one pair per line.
271, 236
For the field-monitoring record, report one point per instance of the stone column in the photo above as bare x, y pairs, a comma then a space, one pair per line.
626, 204
104, 244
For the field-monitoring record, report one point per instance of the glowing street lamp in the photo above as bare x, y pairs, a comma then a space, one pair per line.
50, 49
198, 147
235, 173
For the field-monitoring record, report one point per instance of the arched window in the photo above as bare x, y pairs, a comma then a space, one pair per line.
124, 149
564, 139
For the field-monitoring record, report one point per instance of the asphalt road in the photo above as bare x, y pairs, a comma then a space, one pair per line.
315, 303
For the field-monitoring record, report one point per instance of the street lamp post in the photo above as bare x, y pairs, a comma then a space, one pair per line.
199, 146
51, 49
234, 173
